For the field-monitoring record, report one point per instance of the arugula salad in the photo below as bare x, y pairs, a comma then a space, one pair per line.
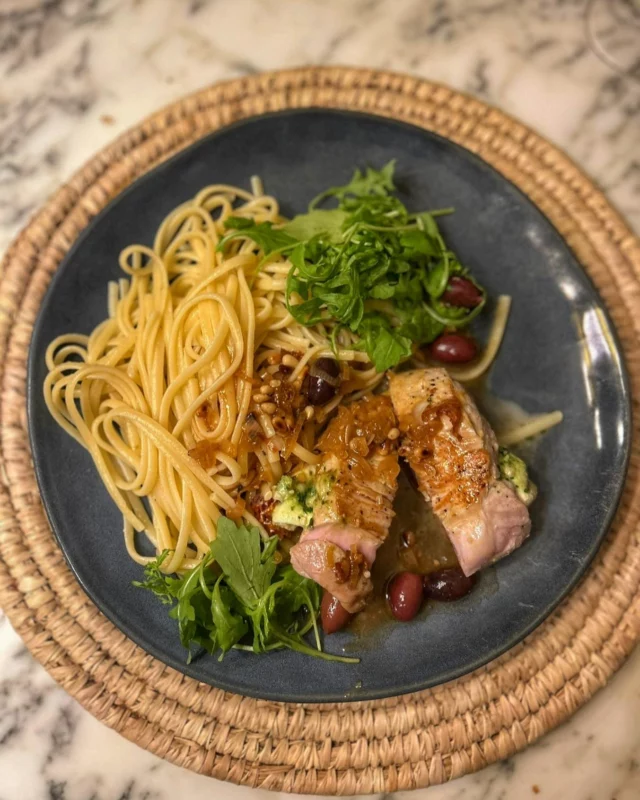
369, 265
241, 596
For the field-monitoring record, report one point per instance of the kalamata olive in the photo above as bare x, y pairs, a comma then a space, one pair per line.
322, 381
447, 584
317, 390
332, 614
453, 348
328, 365
404, 595
462, 292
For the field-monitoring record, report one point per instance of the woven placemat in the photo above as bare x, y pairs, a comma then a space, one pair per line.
388, 745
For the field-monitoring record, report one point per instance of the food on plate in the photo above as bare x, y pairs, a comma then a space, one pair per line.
454, 454
246, 405
447, 584
405, 595
351, 509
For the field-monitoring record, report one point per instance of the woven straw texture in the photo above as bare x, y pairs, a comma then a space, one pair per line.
380, 746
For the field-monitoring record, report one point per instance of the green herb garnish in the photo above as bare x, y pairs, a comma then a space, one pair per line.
239, 597
268, 238
362, 184
368, 265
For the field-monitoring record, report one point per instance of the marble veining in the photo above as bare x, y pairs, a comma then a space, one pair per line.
75, 73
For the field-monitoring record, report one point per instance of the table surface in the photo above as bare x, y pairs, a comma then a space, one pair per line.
75, 73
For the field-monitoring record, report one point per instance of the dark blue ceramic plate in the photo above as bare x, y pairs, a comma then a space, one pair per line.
560, 352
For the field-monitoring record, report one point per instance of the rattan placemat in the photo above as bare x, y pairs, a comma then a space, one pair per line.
388, 745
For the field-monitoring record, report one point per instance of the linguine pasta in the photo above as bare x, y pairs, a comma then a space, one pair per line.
165, 392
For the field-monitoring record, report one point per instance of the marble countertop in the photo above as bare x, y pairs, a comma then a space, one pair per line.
75, 73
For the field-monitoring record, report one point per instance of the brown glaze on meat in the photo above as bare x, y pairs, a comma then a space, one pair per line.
455, 471
360, 459
357, 450
445, 440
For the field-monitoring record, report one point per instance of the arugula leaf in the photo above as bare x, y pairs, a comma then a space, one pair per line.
163, 586
237, 549
369, 182
268, 238
277, 615
269, 548
192, 612
319, 222
427, 223
454, 316
383, 291
295, 592
418, 325
418, 243
435, 281
230, 626
384, 345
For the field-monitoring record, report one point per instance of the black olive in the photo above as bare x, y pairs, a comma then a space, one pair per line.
404, 595
447, 584
453, 348
328, 365
333, 615
318, 390
322, 381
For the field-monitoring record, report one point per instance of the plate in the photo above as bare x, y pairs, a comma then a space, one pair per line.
560, 351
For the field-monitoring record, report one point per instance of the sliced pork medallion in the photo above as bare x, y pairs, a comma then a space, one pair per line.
339, 558
346, 502
454, 455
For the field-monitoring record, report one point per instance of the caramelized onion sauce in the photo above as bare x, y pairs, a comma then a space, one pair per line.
273, 394
357, 432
